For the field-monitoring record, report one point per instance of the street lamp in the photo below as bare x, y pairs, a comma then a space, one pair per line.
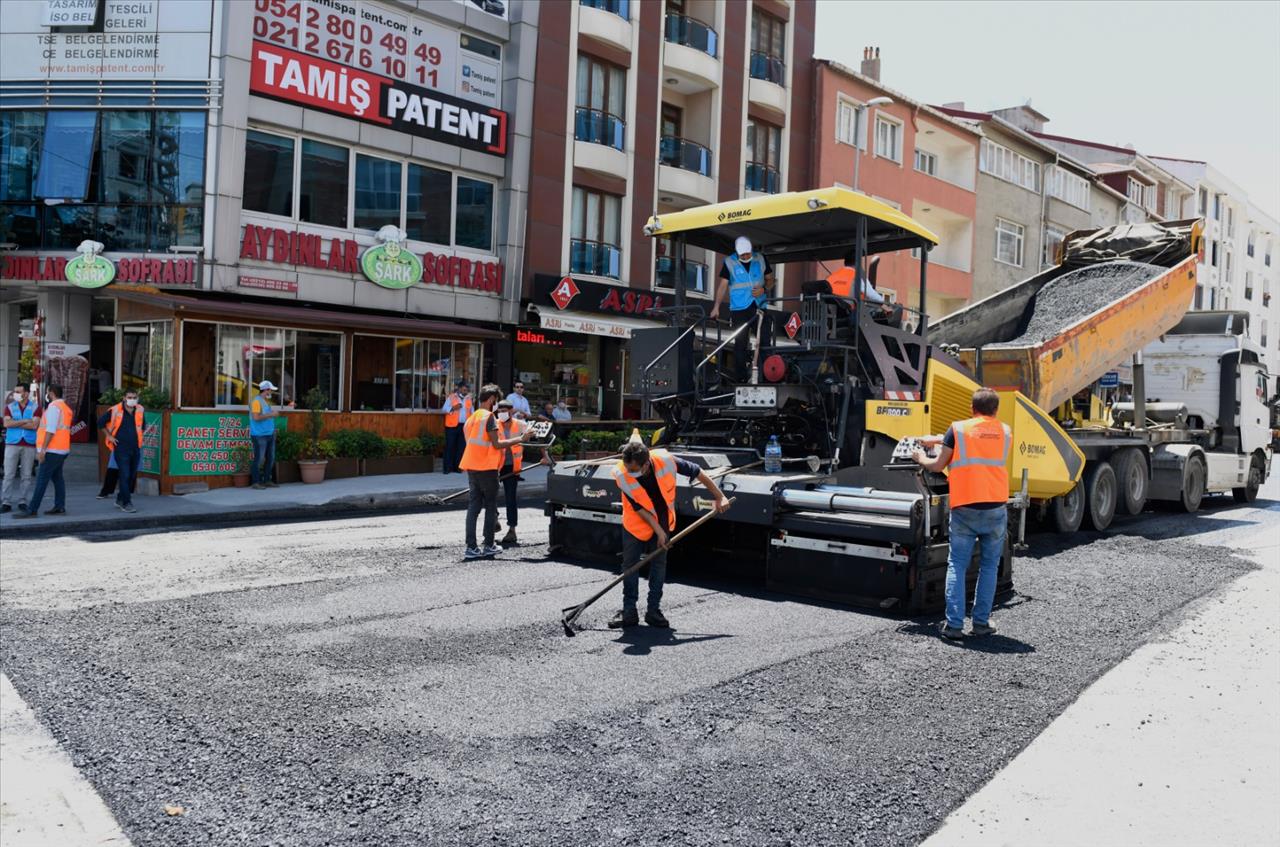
861, 136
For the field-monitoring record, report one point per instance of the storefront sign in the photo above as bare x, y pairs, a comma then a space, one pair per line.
586, 296
793, 325
131, 269
316, 83
589, 326
528, 336
90, 270
268, 284
389, 264
210, 443
152, 437
457, 272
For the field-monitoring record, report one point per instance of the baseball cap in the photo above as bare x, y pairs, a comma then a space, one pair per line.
266, 385
505, 404
742, 245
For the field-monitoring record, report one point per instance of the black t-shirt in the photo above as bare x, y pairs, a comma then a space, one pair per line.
768, 268
649, 482
949, 440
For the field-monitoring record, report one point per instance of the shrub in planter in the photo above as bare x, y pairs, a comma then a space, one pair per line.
313, 460
430, 444
358, 444
289, 446
404, 455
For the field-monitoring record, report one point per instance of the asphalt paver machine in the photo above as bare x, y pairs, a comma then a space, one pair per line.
845, 387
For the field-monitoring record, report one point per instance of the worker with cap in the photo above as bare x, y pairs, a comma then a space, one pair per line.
457, 411
647, 479
262, 431
482, 460
512, 462
976, 451
747, 277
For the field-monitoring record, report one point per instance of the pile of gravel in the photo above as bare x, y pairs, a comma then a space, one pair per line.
1080, 293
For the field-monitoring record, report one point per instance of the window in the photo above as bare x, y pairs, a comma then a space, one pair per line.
594, 246
1248, 285
1217, 207
1226, 271
1203, 201
1067, 187
1231, 223
764, 157
474, 214
409, 374
888, 139
768, 47
1136, 191
146, 355
846, 121
377, 193
1053, 236
268, 174
427, 208
926, 163
1266, 259
322, 184
1009, 239
1248, 246
294, 360
601, 102
1001, 162
1213, 253
133, 180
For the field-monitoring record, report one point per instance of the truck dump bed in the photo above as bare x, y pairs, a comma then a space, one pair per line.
1116, 290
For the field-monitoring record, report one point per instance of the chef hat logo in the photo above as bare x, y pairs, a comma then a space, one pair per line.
89, 251
393, 238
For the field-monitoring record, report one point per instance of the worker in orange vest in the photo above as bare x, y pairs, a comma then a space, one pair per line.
123, 427
512, 462
457, 411
647, 480
976, 451
482, 459
53, 445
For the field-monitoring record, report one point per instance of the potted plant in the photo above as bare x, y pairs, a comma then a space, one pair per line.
242, 455
351, 447
403, 455
314, 458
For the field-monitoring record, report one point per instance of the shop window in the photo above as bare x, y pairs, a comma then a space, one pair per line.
428, 202
295, 361
21, 138
409, 374
66, 155
595, 242
377, 192
146, 355
560, 366
322, 184
268, 174
177, 158
474, 214
123, 149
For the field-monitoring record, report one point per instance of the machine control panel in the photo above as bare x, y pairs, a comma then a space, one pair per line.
904, 449
756, 397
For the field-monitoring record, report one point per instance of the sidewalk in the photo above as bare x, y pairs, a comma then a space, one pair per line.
334, 497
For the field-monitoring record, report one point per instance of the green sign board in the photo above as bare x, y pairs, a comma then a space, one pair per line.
152, 437
90, 271
210, 443
391, 265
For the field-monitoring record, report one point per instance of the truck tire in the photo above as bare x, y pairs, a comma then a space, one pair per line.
1194, 474
1100, 495
1132, 479
1067, 511
1250, 491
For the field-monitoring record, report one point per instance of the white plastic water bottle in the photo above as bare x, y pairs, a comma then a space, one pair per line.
773, 456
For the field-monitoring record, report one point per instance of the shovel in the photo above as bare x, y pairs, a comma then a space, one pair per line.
437, 500
570, 614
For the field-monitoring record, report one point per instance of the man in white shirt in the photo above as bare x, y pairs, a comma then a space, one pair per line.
519, 403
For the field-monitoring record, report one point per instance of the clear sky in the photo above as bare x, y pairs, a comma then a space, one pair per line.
1188, 80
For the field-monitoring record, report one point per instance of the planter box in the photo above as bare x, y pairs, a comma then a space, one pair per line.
342, 469
287, 472
398, 464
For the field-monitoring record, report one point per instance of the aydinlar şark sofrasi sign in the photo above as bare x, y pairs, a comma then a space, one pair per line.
316, 83
89, 269
389, 263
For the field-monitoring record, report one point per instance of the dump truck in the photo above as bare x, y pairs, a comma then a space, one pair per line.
1114, 293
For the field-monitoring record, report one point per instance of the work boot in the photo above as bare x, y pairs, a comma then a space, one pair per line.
625, 617
951, 633
656, 619
509, 540
987, 628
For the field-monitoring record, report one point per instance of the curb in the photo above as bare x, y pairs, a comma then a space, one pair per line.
396, 501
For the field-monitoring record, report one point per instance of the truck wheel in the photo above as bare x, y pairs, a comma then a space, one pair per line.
1066, 512
1193, 479
1250, 491
1100, 490
1131, 480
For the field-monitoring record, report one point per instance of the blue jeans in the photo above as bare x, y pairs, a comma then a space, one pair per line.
50, 469
264, 458
970, 527
633, 550
127, 462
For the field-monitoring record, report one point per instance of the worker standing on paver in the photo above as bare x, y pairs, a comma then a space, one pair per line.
482, 459
457, 411
748, 279
977, 452
647, 480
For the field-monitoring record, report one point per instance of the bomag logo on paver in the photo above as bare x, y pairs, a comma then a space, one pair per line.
1032, 449
734, 216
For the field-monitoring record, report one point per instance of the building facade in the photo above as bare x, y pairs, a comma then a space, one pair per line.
644, 108
912, 157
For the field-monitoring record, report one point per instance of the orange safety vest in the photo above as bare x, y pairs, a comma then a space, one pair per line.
117, 418
841, 281
61, 440
480, 454
460, 412
508, 429
664, 469
977, 469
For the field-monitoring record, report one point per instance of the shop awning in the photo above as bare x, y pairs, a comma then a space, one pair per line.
279, 314
612, 326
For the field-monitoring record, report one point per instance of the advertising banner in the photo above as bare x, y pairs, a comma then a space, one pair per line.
210, 443
152, 437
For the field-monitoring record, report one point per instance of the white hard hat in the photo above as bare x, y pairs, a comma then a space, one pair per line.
742, 245
266, 385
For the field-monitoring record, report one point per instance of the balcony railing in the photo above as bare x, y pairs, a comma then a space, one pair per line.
621, 8
768, 68
595, 258
686, 155
695, 275
599, 127
682, 29
763, 178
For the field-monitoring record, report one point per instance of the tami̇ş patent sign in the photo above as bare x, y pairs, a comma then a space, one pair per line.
316, 83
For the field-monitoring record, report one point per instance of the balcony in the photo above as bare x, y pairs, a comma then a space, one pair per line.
684, 30
599, 127
606, 20
621, 8
695, 275
684, 154
763, 178
595, 258
768, 68
690, 63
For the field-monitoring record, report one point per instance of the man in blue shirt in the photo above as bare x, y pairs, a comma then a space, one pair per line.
21, 420
262, 431
747, 278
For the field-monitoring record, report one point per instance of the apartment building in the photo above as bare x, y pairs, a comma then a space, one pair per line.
642, 108
912, 157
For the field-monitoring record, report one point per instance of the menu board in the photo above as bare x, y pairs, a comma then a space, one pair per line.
378, 40
152, 435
